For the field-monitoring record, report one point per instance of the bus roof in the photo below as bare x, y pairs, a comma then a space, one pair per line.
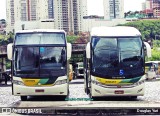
153, 62
40, 30
115, 31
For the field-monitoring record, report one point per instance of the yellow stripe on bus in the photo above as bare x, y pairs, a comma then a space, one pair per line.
108, 81
30, 82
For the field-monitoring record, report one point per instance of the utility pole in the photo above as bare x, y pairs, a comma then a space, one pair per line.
114, 8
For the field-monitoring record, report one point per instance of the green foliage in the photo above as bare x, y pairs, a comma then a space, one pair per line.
156, 43
6, 39
77, 58
155, 55
8, 64
72, 38
148, 28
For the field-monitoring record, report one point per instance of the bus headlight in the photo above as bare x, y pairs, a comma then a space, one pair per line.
97, 83
17, 82
139, 83
59, 82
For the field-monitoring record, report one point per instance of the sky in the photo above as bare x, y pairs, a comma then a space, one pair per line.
95, 7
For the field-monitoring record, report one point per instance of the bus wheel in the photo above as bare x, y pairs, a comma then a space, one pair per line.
23, 98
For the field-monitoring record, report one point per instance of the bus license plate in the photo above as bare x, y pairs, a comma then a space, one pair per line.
39, 90
119, 92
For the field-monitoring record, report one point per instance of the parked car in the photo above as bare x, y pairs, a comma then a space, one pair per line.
79, 71
152, 69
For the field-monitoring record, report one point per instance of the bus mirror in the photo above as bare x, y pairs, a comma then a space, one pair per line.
148, 49
88, 49
69, 50
9, 51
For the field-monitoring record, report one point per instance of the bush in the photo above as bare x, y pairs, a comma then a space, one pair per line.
155, 55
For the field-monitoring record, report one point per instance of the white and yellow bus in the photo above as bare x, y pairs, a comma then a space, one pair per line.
39, 63
115, 62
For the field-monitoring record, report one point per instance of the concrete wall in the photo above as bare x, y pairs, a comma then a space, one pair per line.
43, 24
89, 23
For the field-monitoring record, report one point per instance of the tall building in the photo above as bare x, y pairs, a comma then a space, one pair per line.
61, 14
113, 9
10, 15
156, 8
25, 10
152, 7
51, 9
67, 14
147, 7
78, 11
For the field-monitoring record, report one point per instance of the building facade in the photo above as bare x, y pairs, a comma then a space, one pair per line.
2, 26
113, 9
152, 7
156, 8
79, 9
67, 14
10, 16
89, 23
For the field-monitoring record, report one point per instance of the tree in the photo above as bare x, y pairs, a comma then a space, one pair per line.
148, 28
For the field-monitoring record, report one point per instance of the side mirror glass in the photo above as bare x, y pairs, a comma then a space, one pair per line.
69, 50
88, 49
10, 51
148, 49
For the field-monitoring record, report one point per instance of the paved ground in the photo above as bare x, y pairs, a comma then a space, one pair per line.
77, 96
80, 102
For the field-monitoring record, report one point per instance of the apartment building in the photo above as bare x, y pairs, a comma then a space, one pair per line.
2, 26
113, 9
156, 8
27, 10
147, 7
67, 14
151, 6
10, 16
79, 9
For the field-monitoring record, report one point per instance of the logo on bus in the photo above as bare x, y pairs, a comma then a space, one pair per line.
121, 72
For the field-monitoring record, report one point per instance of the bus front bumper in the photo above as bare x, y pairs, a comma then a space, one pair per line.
98, 91
20, 90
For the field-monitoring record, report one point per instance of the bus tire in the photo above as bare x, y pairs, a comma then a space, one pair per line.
23, 98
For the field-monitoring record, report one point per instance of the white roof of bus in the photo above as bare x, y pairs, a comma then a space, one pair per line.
115, 31
40, 30
153, 62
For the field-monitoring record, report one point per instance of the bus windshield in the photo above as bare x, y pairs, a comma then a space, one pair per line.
39, 38
39, 61
117, 57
